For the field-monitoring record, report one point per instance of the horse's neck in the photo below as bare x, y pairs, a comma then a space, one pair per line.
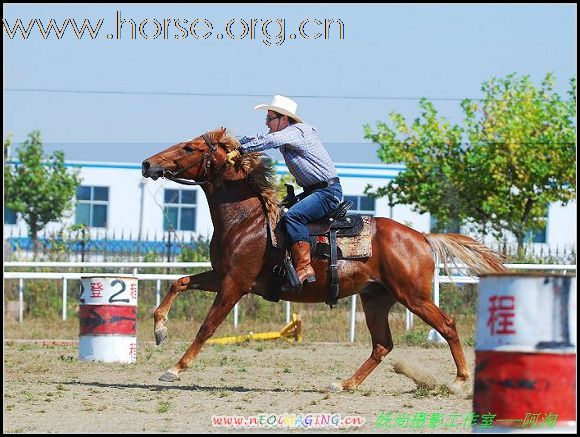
232, 204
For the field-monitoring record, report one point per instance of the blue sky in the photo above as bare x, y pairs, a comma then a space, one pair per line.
396, 52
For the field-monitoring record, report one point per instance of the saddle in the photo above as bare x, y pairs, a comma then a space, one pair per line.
323, 242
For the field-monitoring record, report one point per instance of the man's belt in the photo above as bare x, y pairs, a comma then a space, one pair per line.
322, 184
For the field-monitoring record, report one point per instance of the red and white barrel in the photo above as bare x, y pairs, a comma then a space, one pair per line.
108, 319
525, 371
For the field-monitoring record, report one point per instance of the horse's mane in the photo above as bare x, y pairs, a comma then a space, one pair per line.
258, 171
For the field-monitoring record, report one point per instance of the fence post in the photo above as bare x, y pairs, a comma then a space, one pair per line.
64, 289
352, 317
433, 334
20, 299
158, 293
408, 320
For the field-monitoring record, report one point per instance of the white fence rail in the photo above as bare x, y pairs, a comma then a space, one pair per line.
135, 266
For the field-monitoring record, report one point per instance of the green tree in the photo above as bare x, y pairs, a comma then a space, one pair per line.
41, 191
281, 182
7, 144
514, 155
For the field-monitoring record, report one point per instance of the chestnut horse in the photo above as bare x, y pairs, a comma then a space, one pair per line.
242, 202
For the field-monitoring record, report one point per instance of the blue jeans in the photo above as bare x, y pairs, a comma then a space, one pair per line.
313, 207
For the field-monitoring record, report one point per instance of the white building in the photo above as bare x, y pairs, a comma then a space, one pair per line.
115, 198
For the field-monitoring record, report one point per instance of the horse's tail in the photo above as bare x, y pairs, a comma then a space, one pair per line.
477, 256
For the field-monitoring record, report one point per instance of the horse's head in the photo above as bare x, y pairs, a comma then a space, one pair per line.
191, 162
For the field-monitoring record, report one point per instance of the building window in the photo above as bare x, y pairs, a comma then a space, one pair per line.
362, 204
9, 216
179, 210
538, 235
92, 206
453, 227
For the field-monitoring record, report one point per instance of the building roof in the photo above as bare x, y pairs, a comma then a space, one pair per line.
355, 153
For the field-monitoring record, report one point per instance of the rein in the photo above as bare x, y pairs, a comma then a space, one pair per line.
174, 176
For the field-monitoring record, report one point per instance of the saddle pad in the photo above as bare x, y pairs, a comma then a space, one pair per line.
358, 246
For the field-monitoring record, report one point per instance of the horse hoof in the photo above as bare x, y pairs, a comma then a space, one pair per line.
461, 388
160, 335
169, 377
335, 387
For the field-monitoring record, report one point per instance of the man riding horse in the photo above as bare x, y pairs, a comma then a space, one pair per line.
241, 199
309, 163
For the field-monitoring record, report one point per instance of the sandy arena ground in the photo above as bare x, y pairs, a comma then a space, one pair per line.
48, 390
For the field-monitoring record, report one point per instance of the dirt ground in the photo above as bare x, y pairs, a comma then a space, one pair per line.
48, 390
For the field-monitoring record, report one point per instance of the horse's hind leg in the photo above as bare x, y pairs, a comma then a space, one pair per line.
376, 302
431, 314
203, 281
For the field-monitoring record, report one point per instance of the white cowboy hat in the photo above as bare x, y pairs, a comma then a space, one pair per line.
282, 105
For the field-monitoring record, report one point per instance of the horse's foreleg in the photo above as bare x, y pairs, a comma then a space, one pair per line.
203, 281
376, 305
221, 307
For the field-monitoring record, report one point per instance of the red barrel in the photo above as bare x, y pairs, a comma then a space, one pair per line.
525, 373
108, 319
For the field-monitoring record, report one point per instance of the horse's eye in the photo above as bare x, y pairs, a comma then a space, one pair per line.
188, 149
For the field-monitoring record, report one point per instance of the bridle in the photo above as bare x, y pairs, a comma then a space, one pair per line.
174, 175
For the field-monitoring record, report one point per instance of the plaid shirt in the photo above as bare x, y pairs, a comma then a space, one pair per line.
305, 156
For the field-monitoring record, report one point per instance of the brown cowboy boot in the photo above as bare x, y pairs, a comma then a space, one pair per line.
301, 257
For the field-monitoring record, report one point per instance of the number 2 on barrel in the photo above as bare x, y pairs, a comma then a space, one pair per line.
123, 287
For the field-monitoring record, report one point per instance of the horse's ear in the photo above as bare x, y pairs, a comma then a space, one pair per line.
220, 133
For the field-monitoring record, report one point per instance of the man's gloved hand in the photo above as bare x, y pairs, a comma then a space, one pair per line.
231, 156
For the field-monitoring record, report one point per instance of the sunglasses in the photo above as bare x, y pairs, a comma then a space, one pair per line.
270, 118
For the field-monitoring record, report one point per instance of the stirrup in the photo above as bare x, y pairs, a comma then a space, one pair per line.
294, 283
